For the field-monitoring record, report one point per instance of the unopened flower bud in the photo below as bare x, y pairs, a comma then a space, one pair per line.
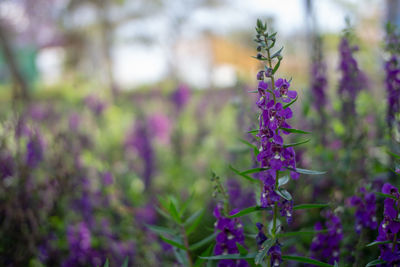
260, 75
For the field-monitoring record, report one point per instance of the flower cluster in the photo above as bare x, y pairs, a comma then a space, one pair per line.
230, 232
326, 244
392, 81
272, 122
273, 155
352, 80
365, 210
390, 226
269, 196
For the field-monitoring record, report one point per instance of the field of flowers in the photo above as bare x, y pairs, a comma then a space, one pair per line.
258, 174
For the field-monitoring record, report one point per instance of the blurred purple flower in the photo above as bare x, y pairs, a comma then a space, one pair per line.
34, 150
365, 210
7, 166
95, 104
326, 245
238, 197
161, 127
392, 82
108, 178
352, 81
181, 97
74, 121
138, 140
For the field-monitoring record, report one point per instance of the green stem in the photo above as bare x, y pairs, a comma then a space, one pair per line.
270, 63
359, 248
275, 207
186, 243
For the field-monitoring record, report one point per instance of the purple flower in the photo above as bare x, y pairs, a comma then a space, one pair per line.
326, 245
283, 91
7, 166
276, 255
365, 210
108, 178
318, 84
390, 227
230, 232
95, 104
181, 97
392, 79
261, 237
34, 150
138, 140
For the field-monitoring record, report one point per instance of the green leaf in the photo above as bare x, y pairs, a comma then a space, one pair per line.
375, 262
253, 131
305, 171
251, 179
230, 257
306, 260
291, 102
276, 67
255, 170
309, 206
297, 144
283, 180
252, 91
247, 211
297, 233
172, 242
193, 221
242, 250
186, 204
107, 263
263, 252
160, 230
254, 147
125, 263
203, 242
291, 130
277, 53
386, 195
206, 253
284, 193
162, 213
393, 154
174, 212
378, 243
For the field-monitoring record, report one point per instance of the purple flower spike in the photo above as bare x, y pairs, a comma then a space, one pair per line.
230, 232
389, 227
326, 245
365, 210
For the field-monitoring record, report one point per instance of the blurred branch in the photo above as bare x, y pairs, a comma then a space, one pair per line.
20, 87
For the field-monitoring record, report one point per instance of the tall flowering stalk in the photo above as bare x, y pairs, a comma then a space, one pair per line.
392, 80
318, 81
274, 100
351, 83
277, 164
